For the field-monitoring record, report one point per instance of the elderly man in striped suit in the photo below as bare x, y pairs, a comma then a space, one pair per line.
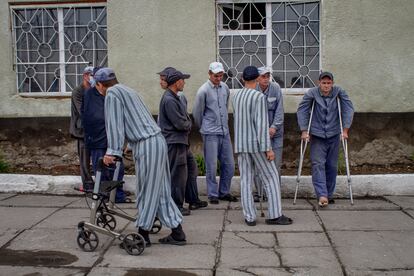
254, 150
127, 118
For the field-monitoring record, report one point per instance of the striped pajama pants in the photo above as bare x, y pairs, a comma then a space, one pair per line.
249, 164
154, 184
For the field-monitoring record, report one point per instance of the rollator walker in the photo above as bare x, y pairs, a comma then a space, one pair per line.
304, 143
102, 217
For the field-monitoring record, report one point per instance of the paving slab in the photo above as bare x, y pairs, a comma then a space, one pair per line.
375, 250
38, 201
311, 257
204, 219
110, 271
287, 204
364, 205
252, 271
303, 220
5, 195
247, 240
62, 241
7, 235
366, 220
43, 271
243, 258
162, 256
361, 272
405, 202
22, 218
411, 212
302, 239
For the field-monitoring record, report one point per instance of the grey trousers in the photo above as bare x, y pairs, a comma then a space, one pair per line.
84, 162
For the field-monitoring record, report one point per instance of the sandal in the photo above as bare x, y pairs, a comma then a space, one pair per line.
323, 202
170, 240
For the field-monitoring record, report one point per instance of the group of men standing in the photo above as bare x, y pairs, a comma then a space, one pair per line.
166, 172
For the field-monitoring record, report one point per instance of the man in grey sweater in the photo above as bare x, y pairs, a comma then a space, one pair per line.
76, 128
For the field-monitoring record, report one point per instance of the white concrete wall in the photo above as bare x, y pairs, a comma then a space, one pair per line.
367, 44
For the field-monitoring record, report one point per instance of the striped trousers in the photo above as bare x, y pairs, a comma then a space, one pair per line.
249, 164
154, 184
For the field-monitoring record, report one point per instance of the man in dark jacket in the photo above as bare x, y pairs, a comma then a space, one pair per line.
76, 128
175, 124
93, 120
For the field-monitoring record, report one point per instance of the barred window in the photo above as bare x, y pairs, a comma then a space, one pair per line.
54, 43
281, 35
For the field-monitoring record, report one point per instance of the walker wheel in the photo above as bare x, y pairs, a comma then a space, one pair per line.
87, 240
134, 244
156, 226
106, 221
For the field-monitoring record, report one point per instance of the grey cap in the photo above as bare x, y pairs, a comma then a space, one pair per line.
166, 71
326, 75
175, 75
88, 70
104, 74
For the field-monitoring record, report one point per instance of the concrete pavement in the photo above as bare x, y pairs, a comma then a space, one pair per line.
373, 237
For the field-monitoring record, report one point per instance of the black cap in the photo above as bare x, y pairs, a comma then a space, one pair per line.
250, 73
166, 71
326, 75
175, 75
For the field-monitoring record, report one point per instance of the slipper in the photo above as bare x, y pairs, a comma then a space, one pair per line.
323, 202
170, 240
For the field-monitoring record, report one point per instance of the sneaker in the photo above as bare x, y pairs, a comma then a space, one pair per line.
229, 197
213, 200
197, 205
185, 211
250, 223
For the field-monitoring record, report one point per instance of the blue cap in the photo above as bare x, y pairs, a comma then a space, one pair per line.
326, 74
104, 74
250, 73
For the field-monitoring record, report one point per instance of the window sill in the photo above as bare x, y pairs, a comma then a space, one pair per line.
46, 95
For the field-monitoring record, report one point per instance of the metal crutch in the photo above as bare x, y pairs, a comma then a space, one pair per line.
303, 145
345, 148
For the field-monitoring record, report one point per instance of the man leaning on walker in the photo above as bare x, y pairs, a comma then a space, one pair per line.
127, 118
325, 132
254, 150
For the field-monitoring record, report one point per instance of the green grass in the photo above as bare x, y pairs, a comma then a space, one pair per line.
341, 163
4, 166
201, 164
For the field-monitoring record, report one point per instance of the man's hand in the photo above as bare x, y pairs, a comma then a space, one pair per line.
109, 159
270, 155
272, 132
305, 136
345, 133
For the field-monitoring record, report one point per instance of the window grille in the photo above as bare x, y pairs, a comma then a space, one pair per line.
280, 35
53, 44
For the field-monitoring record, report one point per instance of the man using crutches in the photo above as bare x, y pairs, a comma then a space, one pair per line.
324, 131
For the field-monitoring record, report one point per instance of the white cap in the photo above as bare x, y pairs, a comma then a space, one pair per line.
88, 70
264, 70
216, 67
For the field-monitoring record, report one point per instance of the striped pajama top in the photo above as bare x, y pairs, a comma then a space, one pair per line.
126, 118
251, 124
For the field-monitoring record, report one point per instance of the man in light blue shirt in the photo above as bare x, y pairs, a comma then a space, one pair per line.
325, 132
274, 101
211, 116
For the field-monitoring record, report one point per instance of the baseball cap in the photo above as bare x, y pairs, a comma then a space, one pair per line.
264, 70
216, 67
104, 74
175, 75
166, 71
250, 73
95, 69
88, 70
326, 75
